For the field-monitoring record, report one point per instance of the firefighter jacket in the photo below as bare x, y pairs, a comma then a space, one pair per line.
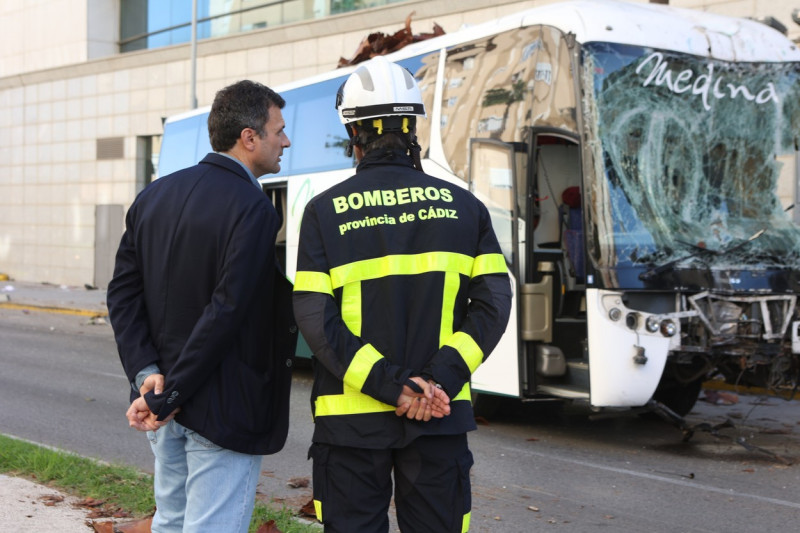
399, 274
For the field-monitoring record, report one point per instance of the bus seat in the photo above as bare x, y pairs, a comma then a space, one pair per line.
572, 220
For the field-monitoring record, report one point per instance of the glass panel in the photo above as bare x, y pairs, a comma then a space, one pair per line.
688, 154
497, 87
152, 18
787, 183
343, 6
492, 180
312, 124
185, 142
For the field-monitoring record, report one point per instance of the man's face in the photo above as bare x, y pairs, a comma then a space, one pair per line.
269, 147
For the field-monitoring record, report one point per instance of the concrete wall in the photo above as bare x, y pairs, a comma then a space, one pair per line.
57, 100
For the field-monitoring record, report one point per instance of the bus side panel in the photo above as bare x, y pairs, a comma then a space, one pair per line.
500, 373
615, 378
300, 190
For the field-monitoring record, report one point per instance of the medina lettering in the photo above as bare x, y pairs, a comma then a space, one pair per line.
708, 86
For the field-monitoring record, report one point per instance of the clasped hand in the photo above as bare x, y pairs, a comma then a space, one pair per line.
139, 415
432, 402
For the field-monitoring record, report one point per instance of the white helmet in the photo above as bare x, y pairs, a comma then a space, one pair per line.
379, 88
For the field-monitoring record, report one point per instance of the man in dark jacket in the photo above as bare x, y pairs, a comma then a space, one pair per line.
401, 292
199, 306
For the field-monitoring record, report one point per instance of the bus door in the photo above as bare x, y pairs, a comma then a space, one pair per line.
493, 171
553, 322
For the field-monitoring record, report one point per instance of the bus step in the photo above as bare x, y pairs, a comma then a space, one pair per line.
578, 373
570, 392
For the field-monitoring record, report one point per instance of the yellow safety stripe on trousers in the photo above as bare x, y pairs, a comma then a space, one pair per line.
469, 350
488, 264
393, 265
318, 510
464, 522
351, 307
310, 281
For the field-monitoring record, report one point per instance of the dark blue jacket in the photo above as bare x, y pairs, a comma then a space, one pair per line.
195, 291
398, 274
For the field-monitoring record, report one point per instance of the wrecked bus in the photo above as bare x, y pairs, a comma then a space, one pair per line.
640, 163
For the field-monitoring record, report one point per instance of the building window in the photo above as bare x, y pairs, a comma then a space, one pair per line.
155, 23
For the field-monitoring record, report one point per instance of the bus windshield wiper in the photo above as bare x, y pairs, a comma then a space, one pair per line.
698, 250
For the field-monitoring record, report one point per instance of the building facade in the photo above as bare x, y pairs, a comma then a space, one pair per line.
84, 91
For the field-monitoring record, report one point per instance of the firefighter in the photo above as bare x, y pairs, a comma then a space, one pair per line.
401, 292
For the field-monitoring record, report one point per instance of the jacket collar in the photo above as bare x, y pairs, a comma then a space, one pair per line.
227, 163
385, 157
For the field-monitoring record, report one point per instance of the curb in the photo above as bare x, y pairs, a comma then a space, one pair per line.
52, 309
748, 390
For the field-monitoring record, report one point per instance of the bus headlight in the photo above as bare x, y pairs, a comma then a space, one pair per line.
632, 320
652, 324
614, 314
668, 328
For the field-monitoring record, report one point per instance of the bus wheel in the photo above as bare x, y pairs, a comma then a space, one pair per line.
679, 397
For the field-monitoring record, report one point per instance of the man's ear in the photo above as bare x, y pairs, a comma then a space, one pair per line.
247, 136
359, 152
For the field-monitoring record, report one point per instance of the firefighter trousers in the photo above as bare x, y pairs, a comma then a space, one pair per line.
353, 486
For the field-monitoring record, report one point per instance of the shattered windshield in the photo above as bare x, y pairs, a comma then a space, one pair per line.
689, 155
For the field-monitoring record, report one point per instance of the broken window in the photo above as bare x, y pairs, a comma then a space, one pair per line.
688, 154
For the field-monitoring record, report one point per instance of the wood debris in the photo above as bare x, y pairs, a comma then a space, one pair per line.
379, 43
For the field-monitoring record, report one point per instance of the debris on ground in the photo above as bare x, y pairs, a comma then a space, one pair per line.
720, 398
137, 526
268, 527
308, 509
298, 482
379, 43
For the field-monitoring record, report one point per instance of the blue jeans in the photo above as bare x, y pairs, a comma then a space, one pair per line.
199, 486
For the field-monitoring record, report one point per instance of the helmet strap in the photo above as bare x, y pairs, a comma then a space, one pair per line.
414, 149
349, 148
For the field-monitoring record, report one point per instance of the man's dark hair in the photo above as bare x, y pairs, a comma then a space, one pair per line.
245, 104
387, 141
369, 140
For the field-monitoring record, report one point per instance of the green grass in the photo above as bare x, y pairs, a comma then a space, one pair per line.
121, 487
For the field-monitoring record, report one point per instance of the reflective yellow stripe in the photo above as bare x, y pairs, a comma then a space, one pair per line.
469, 350
352, 402
465, 394
360, 366
489, 264
393, 265
351, 307
464, 523
452, 281
318, 509
313, 282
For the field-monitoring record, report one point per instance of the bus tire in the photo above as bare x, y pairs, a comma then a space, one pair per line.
679, 397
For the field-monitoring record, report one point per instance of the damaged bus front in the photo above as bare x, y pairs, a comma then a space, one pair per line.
690, 220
